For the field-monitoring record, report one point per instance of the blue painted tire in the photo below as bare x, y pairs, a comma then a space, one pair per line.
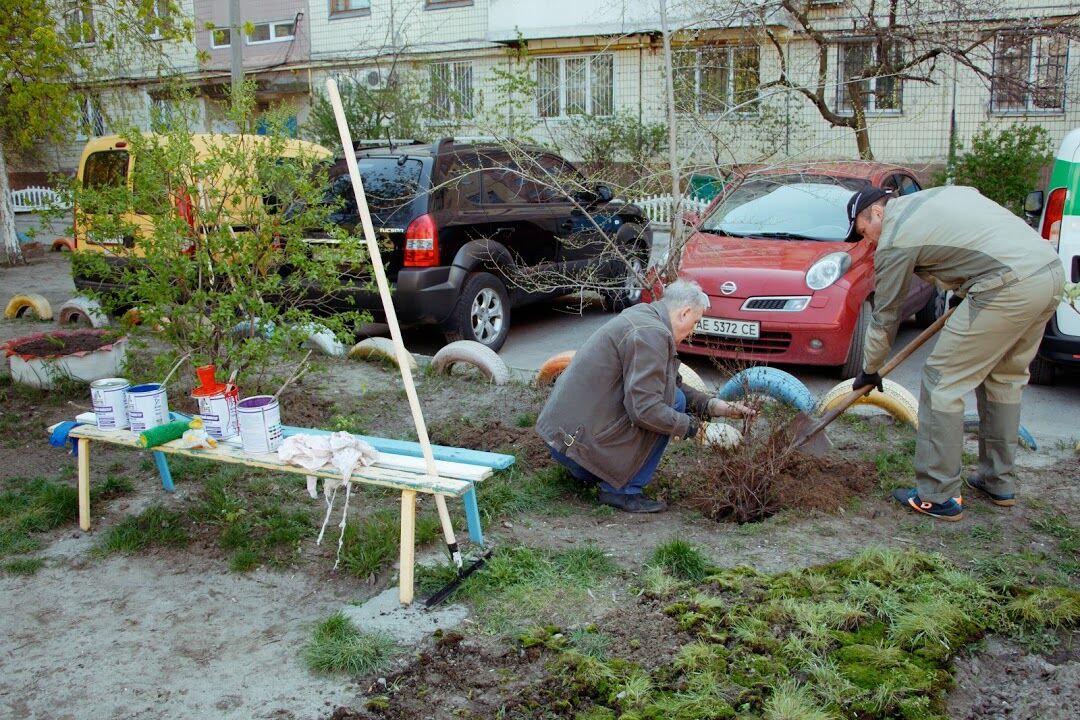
1025, 438
777, 384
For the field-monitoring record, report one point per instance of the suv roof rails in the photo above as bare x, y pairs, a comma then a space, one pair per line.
384, 142
473, 138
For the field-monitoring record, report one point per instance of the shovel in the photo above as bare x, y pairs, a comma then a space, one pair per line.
807, 435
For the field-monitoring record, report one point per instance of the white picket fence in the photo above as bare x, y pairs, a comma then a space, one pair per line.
34, 198
659, 210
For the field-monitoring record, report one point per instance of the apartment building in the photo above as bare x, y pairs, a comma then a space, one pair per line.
604, 59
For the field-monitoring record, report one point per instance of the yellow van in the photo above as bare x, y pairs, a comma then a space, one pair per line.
107, 162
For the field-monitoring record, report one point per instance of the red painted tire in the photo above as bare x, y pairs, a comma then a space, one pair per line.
553, 367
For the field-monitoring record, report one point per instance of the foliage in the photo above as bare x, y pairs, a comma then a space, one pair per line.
601, 141
681, 559
337, 646
156, 526
1004, 165
244, 297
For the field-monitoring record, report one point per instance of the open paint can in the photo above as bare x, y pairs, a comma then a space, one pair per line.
217, 404
147, 406
108, 396
260, 424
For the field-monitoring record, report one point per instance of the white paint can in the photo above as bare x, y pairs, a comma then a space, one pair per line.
147, 406
217, 404
108, 396
260, 424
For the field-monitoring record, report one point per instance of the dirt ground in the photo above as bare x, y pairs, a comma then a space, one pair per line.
177, 634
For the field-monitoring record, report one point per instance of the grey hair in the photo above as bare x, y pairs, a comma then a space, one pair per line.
685, 293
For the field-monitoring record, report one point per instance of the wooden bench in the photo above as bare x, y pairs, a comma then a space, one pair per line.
392, 470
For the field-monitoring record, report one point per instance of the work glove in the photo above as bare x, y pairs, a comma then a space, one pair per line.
693, 429
720, 408
864, 378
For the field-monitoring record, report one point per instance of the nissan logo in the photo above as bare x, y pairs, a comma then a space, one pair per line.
728, 288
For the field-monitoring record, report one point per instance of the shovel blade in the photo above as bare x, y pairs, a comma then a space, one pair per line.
809, 436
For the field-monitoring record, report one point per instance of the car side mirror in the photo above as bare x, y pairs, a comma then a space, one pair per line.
691, 218
603, 194
1033, 203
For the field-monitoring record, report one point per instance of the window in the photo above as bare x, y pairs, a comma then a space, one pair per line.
164, 114
106, 169
452, 90
432, 4
91, 123
157, 18
79, 22
347, 7
581, 85
878, 94
1029, 72
269, 32
716, 79
220, 38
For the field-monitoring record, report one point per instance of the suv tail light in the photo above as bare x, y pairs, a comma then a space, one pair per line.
185, 208
422, 243
1051, 227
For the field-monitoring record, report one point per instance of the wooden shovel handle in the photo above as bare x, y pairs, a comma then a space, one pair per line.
894, 361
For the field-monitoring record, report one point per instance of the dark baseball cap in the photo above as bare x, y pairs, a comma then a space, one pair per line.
862, 200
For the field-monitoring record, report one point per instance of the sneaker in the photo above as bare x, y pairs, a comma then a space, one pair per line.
636, 503
977, 483
951, 510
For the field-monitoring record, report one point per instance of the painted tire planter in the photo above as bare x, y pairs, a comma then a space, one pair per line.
82, 311
553, 367
1025, 438
896, 400
720, 434
692, 379
33, 302
40, 360
777, 384
379, 349
470, 352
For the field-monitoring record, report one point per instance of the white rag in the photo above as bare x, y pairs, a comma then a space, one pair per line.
339, 449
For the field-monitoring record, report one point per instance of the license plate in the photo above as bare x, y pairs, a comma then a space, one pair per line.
729, 328
113, 240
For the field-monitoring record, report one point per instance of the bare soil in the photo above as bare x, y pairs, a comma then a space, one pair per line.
66, 344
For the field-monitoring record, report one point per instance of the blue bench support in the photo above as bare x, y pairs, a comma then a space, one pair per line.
472, 516
163, 470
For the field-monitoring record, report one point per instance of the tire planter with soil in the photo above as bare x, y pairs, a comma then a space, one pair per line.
43, 359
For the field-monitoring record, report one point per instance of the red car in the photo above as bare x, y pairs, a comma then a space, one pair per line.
787, 284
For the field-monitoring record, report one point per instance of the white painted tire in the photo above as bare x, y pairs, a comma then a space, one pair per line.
896, 400
22, 302
720, 434
470, 352
692, 379
378, 348
82, 311
325, 341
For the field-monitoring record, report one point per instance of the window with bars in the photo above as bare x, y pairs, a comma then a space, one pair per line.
1029, 72
881, 93
716, 79
577, 85
451, 90
79, 22
346, 7
157, 18
91, 122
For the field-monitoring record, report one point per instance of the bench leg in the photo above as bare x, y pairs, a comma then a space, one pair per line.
408, 546
472, 516
84, 483
163, 471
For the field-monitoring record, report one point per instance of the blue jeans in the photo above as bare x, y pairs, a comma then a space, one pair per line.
641, 478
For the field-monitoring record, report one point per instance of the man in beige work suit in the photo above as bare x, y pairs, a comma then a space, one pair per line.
1011, 281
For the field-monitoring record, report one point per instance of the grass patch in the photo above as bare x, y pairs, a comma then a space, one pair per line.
526, 420
337, 646
156, 526
508, 492
896, 468
681, 559
32, 506
372, 543
22, 566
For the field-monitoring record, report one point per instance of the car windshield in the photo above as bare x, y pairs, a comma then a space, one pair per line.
390, 183
796, 207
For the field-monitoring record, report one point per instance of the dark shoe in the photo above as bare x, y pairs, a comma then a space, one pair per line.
952, 510
632, 503
977, 483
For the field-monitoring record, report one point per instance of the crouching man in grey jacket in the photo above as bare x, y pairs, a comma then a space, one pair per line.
615, 407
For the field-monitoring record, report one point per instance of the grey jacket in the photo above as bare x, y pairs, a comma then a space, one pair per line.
616, 398
954, 237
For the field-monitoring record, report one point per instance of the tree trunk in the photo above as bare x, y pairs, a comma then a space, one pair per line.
10, 238
674, 242
862, 141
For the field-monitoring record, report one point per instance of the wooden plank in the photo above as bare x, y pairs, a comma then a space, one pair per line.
84, 483
407, 559
459, 471
498, 461
385, 477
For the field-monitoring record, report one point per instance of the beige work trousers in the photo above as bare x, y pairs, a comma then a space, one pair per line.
985, 346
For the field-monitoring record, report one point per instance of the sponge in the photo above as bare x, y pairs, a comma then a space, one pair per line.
162, 433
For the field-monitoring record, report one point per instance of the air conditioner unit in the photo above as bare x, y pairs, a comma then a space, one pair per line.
377, 79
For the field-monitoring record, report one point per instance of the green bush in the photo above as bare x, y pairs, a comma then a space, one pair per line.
1004, 166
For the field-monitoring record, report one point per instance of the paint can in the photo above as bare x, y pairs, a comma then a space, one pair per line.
217, 404
147, 406
108, 397
260, 423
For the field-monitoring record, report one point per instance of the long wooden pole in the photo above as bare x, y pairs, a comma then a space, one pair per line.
391, 315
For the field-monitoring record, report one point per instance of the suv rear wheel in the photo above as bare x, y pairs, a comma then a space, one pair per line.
627, 276
482, 312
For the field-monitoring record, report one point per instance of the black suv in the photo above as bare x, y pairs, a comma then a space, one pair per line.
476, 228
